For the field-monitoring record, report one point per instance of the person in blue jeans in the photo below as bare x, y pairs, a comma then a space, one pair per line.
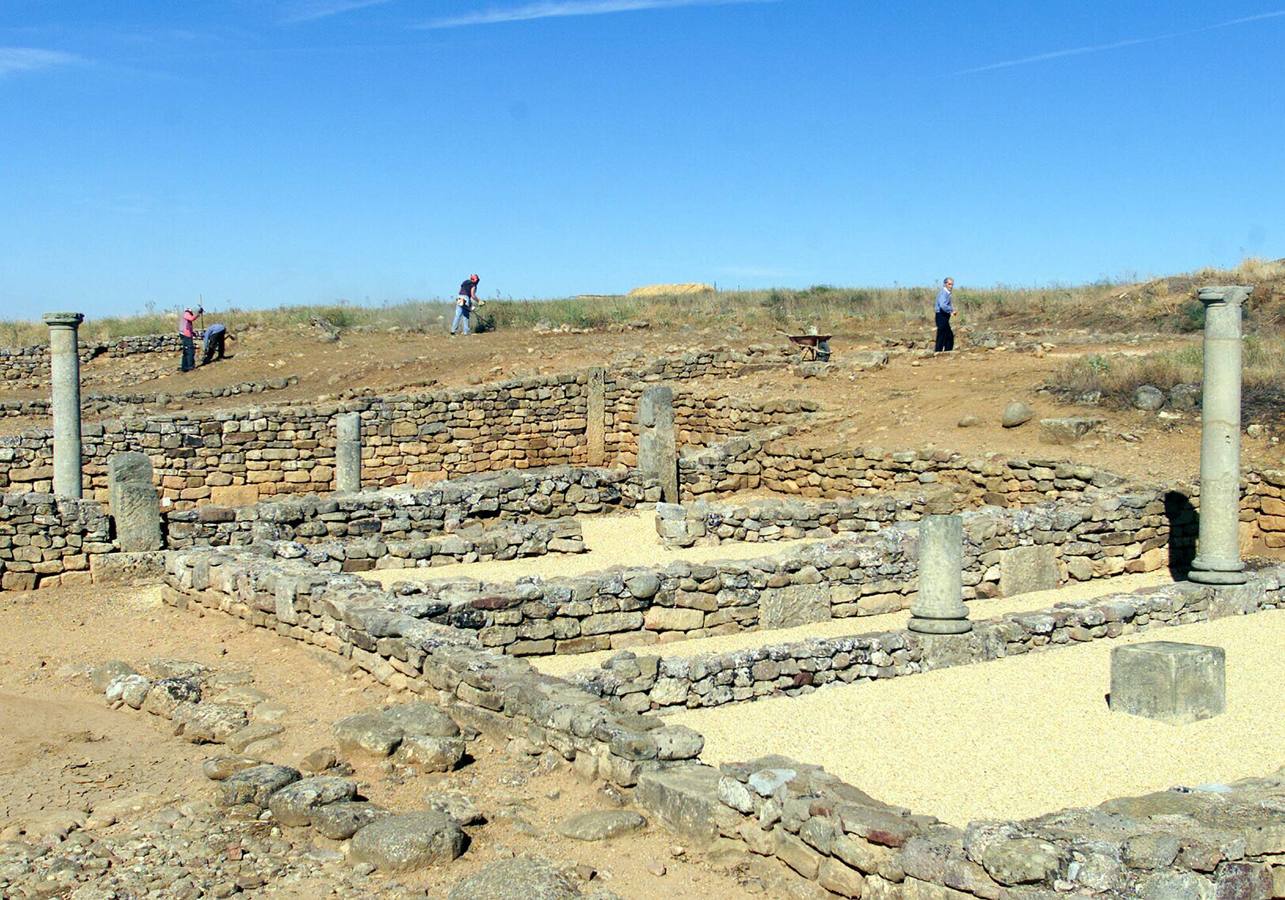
465, 303
944, 309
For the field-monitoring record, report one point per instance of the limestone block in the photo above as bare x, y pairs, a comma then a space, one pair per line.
1169, 681
796, 604
1026, 569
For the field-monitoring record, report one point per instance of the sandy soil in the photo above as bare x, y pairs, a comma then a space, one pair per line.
911, 403
1022, 736
563, 666
63, 751
618, 540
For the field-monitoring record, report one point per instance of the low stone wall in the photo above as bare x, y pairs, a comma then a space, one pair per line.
763, 520
29, 366
238, 456
772, 460
414, 514
827, 831
1005, 552
97, 404
381, 633
476, 543
643, 683
1224, 843
46, 541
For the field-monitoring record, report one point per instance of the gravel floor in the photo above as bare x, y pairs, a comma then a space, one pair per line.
1022, 736
978, 609
624, 540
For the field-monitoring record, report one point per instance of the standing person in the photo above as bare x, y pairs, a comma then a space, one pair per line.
187, 332
215, 336
945, 308
464, 303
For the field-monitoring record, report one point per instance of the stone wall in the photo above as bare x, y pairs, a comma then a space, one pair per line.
46, 541
402, 514
249, 453
772, 460
1005, 552
385, 635
97, 404
29, 366
825, 830
708, 524
475, 543
644, 683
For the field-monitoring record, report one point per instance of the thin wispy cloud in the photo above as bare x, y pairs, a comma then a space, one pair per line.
31, 59
322, 9
1116, 45
554, 9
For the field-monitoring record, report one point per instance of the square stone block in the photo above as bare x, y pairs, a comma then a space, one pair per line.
1169, 681
1026, 569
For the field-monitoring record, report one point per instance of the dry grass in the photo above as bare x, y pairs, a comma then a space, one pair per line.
1116, 378
1166, 304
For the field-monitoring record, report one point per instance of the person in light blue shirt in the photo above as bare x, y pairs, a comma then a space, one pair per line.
944, 309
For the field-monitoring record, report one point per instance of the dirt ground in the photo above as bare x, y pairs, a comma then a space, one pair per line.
65, 756
911, 403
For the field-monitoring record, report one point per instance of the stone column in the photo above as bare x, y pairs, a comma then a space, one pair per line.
939, 608
135, 503
64, 365
1218, 547
348, 452
596, 417
657, 446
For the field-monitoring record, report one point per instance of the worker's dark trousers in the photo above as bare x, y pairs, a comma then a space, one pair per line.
214, 347
189, 354
945, 337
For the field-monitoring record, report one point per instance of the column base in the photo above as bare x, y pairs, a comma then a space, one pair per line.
939, 626
1206, 571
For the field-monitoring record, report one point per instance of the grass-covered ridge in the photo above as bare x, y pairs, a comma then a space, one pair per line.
1160, 305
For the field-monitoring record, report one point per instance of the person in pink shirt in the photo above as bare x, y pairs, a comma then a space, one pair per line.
187, 333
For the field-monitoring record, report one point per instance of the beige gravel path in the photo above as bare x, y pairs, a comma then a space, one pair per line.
623, 540
978, 609
1021, 736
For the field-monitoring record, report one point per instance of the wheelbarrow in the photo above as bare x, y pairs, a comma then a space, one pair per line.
815, 346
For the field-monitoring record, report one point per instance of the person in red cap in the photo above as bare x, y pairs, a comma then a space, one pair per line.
465, 303
187, 334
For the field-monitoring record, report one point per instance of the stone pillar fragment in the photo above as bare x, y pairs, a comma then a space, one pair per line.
657, 445
348, 452
939, 606
1169, 681
596, 417
64, 366
1218, 547
135, 502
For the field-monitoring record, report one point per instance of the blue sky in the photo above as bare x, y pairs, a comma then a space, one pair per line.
284, 151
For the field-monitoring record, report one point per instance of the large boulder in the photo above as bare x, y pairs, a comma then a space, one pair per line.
255, 785
520, 878
1148, 397
430, 754
409, 841
296, 803
1015, 414
340, 821
422, 718
369, 732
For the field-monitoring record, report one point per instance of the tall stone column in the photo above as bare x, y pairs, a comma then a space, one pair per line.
1218, 547
939, 607
348, 452
596, 417
64, 366
657, 444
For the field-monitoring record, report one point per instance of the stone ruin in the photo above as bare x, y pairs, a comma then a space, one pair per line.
920, 531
